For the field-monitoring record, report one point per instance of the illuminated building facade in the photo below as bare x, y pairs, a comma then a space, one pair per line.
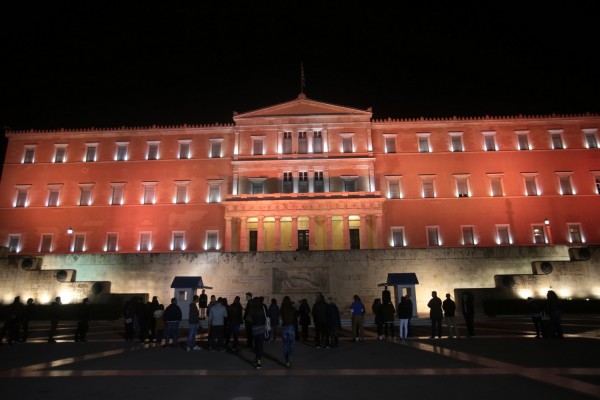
304, 175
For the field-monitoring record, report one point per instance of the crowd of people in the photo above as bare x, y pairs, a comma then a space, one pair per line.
263, 323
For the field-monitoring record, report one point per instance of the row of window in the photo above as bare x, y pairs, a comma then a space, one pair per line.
121, 151
540, 234
77, 243
301, 143
302, 182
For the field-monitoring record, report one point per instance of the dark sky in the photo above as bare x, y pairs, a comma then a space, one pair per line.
77, 65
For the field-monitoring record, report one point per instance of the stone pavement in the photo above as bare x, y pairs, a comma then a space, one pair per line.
503, 361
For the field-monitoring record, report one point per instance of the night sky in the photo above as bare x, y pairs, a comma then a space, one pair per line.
76, 65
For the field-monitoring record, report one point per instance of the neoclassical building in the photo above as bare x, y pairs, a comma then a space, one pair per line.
303, 175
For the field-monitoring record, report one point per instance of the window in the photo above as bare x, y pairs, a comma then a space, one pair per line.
215, 148
591, 141
467, 236
462, 185
149, 192
287, 183
427, 186
22, 193
393, 189
153, 153
121, 154
46, 243
539, 235
257, 185
178, 241
302, 143
347, 143
184, 149
79, 243
317, 142
13, 243
319, 183
302, 182
112, 242
287, 143
398, 237
564, 183
575, 233
556, 138
531, 188
349, 183
257, 145
53, 195
181, 192
85, 195
423, 141
456, 143
116, 198
433, 238
90, 152
214, 190
29, 156
496, 189
60, 151
212, 240
502, 234
145, 241
489, 141
523, 140
390, 143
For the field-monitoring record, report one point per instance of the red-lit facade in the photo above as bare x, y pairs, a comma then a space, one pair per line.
304, 175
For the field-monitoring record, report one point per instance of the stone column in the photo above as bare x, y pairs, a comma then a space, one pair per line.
364, 239
243, 234
260, 235
380, 235
277, 243
228, 234
328, 233
346, 233
311, 232
294, 233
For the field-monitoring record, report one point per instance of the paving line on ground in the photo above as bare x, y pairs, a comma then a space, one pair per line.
541, 375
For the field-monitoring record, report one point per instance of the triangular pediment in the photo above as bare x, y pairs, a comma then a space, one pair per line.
302, 106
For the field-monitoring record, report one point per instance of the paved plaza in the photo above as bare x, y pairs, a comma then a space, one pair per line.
503, 361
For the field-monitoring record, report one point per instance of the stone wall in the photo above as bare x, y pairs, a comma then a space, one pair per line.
339, 274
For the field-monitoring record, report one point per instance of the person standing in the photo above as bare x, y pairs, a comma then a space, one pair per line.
554, 312
258, 313
376, 309
154, 305
449, 307
304, 311
216, 325
435, 314
319, 312
387, 315
27, 315
55, 311
83, 322
468, 310
335, 323
410, 306
288, 329
193, 321
172, 317
404, 314
357, 309
235, 321
160, 324
13, 321
248, 319
203, 304
274, 313
535, 310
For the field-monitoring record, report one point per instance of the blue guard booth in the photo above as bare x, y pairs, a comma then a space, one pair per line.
184, 289
403, 284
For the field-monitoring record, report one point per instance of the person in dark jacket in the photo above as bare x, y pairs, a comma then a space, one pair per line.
172, 317
154, 305
304, 311
27, 315
404, 315
13, 321
288, 329
55, 311
376, 309
468, 310
83, 321
387, 315
274, 314
449, 307
193, 321
203, 304
319, 313
258, 313
248, 319
235, 321
554, 312
435, 314
335, 323
536, 312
